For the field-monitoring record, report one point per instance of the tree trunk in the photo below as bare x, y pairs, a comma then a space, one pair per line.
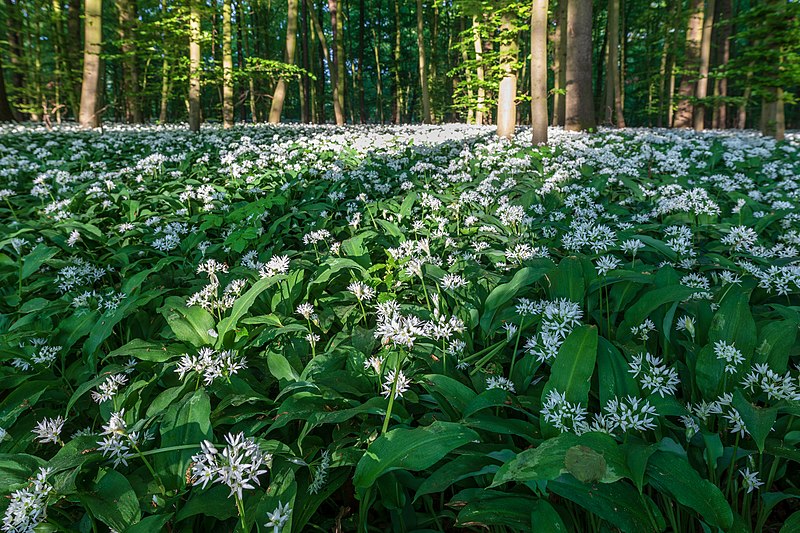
362, 107
6, 114
93, 36
773, 120
337, 63
423, 66
396, 92
723, 39
705, 60
613, 103
379, 85
507, 96
227, 66
479, 71
130, 69
279, 97
240, 58
539, 71
15, 54
694, 34
579, 106
305, 59
194, 66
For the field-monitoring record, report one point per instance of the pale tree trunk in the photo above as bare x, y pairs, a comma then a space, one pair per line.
279, 97
337, 62
194, 66
720, 115
423, 66
613, 105
227, 66
694, 34
559, 104
165, 85
329, 57
90, 87
130, 70
539, 71
773, 119
479, 71
579, 105
379, 86
64, 73
705, 61
507, 95
396, 91
468, 75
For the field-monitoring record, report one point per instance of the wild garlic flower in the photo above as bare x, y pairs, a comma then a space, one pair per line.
563, 415
632, 246
606, 264
443, 327
210, 364
320, 473
306, 310
108, 389
686, 323
500, 382
750, 479
730, 354
278, 264
643, 330
735, 422
117, 442
375, 362
654, 376
49, 430
740, 238
278, 517
774, 385
238, 466
453, 282
399, 330
361, 291
27, 507
630, 413
400, 388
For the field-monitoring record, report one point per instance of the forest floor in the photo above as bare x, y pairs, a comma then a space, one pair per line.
503, 329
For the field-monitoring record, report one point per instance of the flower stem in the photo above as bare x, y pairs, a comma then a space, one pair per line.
240, 506
391, 401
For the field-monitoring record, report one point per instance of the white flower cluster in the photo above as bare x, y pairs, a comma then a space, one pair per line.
619, 414
27, 507
654, 376
237, 466
559, 318
210, 364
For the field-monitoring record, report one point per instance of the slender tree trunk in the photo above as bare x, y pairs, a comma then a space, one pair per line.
130, 70
194, 66
579, 105
723, 39
279, 96
305, 60
362, 45
480, 73
539, 71
240, 58
396, 90
63, 72
423, 66
701, 91
15, 55
694, 35
93, 36
337, 63
613, 111
557, 67
6, 114
326, 55
379, 81
559, 104
227, 66
507, 96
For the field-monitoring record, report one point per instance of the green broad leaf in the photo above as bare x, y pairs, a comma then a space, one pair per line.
150, 523
502, 294
568, 281
187, 422
147, 351
709, 372
613, 374
637, 454
573, 367
214, 501
86, 386
17, 469
733, 322
106, 322
775, 343
545, 519
759, 421
487, 508
659, 246
189, 324
451, 395
549, 460
672, 474
407, 205
113, 501
21, 399
280, 368
792, 523
36, 258
450, 473
618, 503
242, 306
649, 302
410, 449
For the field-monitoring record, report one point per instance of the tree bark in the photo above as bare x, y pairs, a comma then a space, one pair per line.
90, 87
379, 84
278, 98
130, 69
480, 73
194, 66
362, 107
579, 106
227, 66
705, 60
6, 114
507, 95
539, 71
337, 63
613, 86
305, 59
694, 35
423, 66
719, 117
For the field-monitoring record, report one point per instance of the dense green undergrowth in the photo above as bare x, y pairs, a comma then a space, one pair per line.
410, 329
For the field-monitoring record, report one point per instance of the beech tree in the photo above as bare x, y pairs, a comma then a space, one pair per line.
90, 87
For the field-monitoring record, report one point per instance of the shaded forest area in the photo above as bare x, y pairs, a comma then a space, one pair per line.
695, 63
